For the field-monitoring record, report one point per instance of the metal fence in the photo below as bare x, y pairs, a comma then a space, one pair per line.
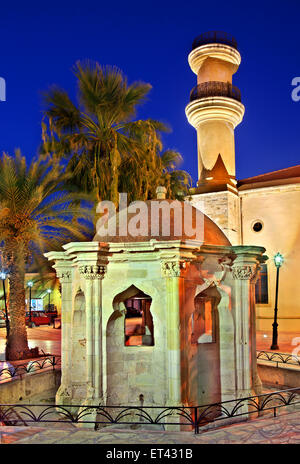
18, 371
278, 358
193, 417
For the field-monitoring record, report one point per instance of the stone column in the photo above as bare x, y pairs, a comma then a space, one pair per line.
256, 382
89, 337
93, 275
98, 374
171, 272
64, 393
244, 271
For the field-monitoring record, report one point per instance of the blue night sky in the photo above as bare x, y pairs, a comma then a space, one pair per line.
150, 41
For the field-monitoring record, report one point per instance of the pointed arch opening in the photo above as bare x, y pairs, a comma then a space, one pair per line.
138, 321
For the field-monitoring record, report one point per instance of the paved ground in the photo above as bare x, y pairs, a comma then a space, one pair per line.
286, 341
48, 340
281, 430
45, 337
284, 429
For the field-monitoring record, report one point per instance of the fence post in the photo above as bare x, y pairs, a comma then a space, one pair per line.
196, 421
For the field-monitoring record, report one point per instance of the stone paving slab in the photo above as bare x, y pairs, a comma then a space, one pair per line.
284, 429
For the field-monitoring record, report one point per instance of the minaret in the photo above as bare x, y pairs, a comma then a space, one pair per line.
215, 109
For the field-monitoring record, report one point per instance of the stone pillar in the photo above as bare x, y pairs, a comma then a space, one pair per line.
171, 272
226, 337
93, 275
89, 337
244, 271
64, 393
98, 374
256, 382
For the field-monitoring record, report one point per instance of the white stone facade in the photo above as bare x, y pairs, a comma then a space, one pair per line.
97, 367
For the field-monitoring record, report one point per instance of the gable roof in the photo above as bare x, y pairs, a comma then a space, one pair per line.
285, 176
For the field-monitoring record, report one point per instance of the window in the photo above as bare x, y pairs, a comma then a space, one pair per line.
261, 286
257, 226
138, 321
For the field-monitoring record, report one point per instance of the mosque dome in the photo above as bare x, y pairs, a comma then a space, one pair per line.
161, 220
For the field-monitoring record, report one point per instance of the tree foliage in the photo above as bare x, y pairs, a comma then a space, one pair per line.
105, 148
37, 214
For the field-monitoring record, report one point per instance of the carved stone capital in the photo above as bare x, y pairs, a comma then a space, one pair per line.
244, 272
64, 275
92, 271
172, 268
255, 276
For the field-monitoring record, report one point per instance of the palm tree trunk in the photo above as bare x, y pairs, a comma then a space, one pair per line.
17, 344
115, 161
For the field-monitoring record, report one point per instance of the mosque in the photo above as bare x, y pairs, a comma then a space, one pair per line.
173, 318
262, 210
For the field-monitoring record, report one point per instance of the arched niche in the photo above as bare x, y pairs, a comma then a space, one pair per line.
130, 369
78, 371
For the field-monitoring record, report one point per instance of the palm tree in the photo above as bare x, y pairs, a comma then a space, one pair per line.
156, 170
100, 139
36, 215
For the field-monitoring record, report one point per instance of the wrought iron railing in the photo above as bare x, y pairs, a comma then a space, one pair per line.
278, 358
31, 366
215, 89
214, 37
191, 416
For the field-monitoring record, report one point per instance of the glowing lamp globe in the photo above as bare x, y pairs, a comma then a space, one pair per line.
278, 260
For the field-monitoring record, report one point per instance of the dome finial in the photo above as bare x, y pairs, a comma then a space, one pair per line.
161, 192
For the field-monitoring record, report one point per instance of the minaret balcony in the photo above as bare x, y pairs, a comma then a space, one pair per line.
215, 37
215, 89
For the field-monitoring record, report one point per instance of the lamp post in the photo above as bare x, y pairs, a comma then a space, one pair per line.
30, 284
49, 293
3, 277
278, 261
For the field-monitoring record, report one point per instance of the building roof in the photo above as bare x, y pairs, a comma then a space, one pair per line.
207, 231
285, 176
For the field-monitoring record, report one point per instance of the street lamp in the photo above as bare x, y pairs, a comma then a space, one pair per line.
49, 293
3, 277
30, 285
278, 261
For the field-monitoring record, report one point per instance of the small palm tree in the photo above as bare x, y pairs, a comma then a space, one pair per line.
37, 214
103, 144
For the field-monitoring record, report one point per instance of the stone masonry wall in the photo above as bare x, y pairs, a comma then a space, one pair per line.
222, 208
